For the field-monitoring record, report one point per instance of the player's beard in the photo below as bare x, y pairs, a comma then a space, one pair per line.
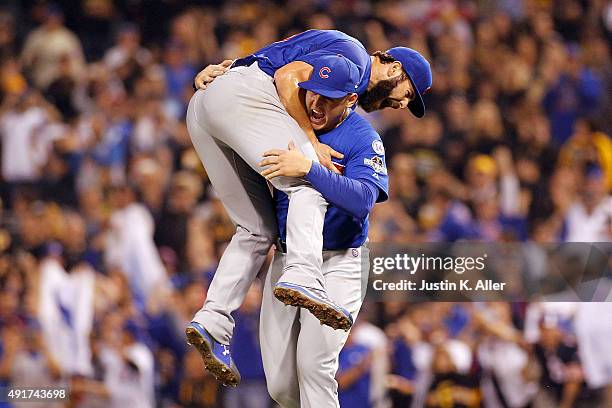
374, 98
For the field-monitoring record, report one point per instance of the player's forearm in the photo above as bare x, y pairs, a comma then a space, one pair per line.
354, 196
350, 376
570, 392
291, 96
53, 365
6, 364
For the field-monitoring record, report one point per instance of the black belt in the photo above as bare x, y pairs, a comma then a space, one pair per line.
243, 62
281, 246
240, 62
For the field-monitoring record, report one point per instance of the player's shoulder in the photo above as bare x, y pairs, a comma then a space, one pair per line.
368, 136
334, 33
343, 38
357, 138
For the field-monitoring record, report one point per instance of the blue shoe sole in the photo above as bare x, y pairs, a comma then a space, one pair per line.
224, 374
326, 313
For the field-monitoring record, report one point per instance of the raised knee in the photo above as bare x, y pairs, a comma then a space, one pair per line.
263, 236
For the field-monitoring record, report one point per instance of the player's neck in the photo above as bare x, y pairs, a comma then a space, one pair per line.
376, 73
345, 114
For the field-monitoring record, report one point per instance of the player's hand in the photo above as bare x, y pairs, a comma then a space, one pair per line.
287, 163
325, 153
13, 340
503, 157
208, 74
399, 383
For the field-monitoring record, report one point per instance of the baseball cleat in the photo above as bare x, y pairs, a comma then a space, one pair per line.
216, 356
316, 302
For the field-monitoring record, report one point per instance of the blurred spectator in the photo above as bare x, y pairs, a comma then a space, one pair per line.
128, 367
127, 48
25, 142
27, 361
594, 351
589, 219
446, 219
7, 35
576, 92
66, 313
130, 245
509, 370
354, 374
172, 225
562, 378
450, 387
403, 369
179, 77
46, 46
588, 146
107, 134
61, 90
253, 391
374, 340
197, 388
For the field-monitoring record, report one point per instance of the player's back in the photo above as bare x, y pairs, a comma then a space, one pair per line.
278, 54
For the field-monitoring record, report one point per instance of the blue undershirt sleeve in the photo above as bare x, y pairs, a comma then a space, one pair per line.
357, 197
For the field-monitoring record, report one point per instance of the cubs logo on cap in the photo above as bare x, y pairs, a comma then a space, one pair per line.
337, 76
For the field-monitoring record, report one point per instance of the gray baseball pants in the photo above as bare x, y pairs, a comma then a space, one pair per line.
232, 123
300, 356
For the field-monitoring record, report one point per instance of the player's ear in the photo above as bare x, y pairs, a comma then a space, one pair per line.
351, 100
395, 69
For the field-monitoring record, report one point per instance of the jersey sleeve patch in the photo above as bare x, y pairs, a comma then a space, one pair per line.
377, 163
378, 147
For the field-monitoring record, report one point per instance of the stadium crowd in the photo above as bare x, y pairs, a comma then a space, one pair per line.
109, 232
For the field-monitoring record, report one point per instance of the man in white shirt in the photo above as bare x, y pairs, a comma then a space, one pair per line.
47, 45
129, 371
130, 245
21, 126
589, 219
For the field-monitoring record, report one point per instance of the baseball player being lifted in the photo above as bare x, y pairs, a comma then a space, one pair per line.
257, 106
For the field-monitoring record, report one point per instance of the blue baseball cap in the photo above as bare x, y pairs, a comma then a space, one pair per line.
333, 76
419, 72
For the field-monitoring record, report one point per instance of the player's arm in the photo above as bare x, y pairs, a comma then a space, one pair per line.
350, 375
292, 97
573, 382
357, 197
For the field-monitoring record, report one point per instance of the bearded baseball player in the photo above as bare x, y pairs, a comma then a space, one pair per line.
253, 108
